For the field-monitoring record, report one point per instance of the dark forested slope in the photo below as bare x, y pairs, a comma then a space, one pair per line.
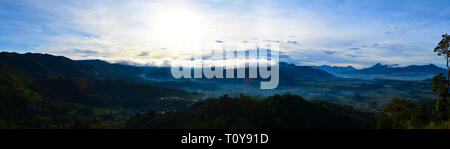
287, 111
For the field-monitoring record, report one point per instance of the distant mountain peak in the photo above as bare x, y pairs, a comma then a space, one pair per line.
393, 65
377, 65
396, 70
335, 69
433, 65
287, 64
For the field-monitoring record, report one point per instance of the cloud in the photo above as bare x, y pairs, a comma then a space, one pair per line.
85, 51
426, 24
292, 42
395, 30
353, 55
275, 41
445, 12
123, 29
329, 52
143, 54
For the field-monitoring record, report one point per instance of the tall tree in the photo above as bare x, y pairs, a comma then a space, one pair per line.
443, 49
440, 84
399, 112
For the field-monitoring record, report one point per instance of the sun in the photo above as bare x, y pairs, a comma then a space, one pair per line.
179, 25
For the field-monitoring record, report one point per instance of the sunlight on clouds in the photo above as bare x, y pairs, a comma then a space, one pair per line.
177, 25
162, 29
127, 29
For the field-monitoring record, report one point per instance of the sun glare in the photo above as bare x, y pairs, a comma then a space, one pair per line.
179, 25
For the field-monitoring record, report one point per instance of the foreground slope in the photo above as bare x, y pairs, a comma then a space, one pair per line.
21, 107
108, 93
287, 111
40, 92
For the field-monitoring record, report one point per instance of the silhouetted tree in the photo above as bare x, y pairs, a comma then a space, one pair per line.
441, 84
443, 49
399, 111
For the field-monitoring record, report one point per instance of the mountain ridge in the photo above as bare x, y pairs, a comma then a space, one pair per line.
395, 68
38, 65
334, 69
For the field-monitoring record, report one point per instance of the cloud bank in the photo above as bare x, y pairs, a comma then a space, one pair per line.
333, 32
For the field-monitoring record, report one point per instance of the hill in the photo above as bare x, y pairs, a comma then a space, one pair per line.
291, 72
44, 65
112, 94
380, 71
334, 69
287, 111
396, 69
288, 72
40, 66
44, 91
104, 69
22, 107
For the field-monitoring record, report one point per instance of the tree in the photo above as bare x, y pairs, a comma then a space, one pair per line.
443, 49
441, 84
398, 111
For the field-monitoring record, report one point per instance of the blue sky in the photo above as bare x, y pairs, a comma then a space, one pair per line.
335, 32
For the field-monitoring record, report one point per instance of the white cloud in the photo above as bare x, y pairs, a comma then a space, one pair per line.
125, 29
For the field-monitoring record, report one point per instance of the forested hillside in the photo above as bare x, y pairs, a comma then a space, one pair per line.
21, 107
38, 95
286, 111
45, 91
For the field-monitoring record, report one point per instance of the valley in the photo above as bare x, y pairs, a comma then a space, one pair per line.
104, 95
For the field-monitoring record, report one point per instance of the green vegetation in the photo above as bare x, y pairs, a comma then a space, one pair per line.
56, 102
286, 111
405, 113
44, 91
112, 94
21, 107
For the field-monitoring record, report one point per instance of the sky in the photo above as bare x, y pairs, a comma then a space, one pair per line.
154, 32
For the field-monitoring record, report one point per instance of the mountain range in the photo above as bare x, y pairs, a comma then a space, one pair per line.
334, 69
44, 65
394, 71
47, 66
385, 71
46, 91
